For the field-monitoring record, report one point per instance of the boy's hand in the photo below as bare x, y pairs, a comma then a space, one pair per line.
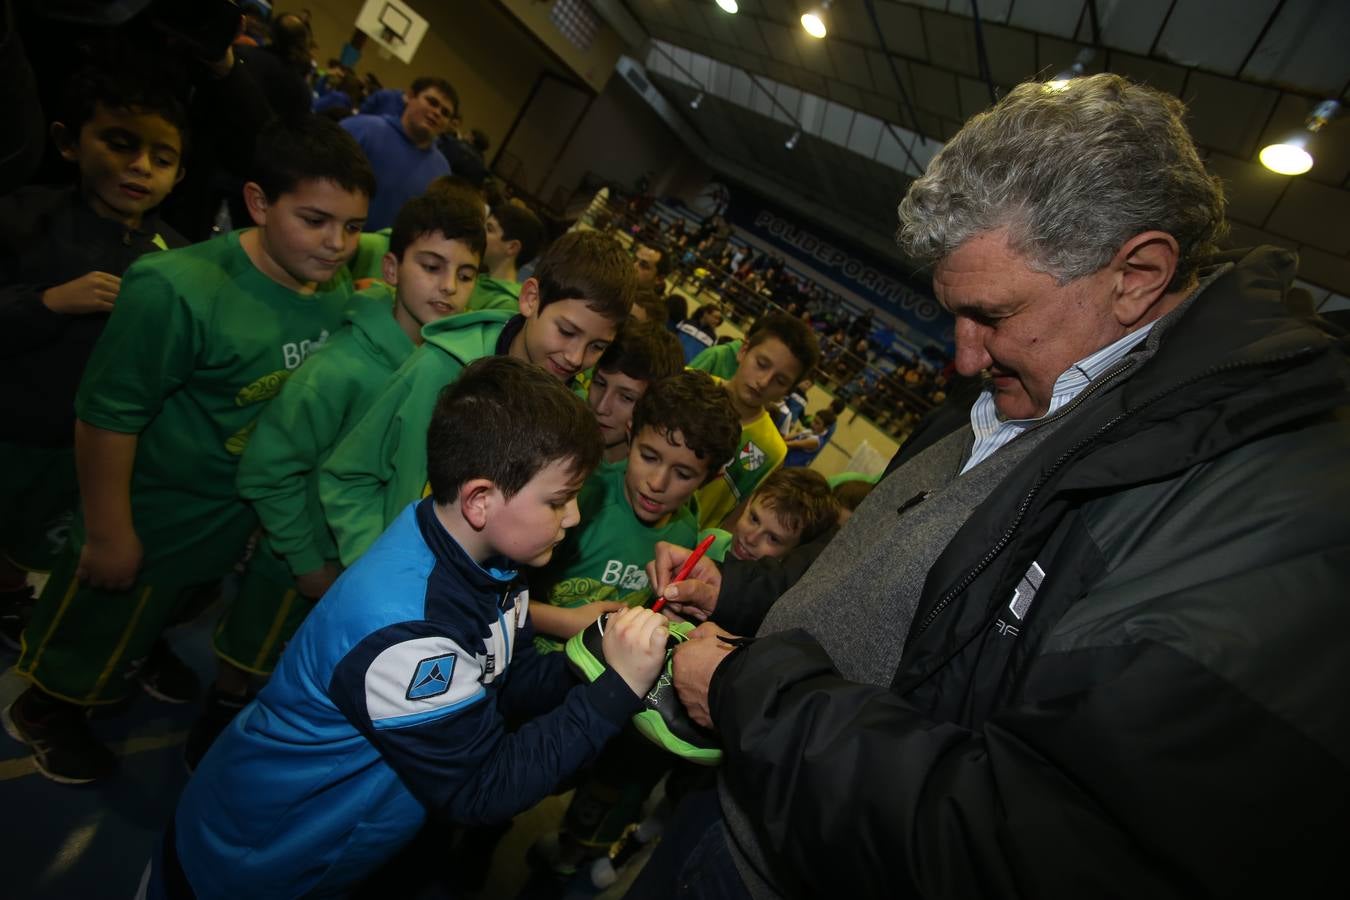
110, 565
316, 583
635, 647
693, 665
92, 292
579, 618
693, 598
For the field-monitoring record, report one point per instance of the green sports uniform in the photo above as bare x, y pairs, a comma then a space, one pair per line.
199, 340
279, 475
606, 556
761, 451
718, 360
380, 466
495, 293
369, 259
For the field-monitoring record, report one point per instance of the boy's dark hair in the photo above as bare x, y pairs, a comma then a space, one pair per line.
506, 420
651, 304
311, 148
837, 406
851, 494
589, 266
451, 214
136, 90
458, 184
440, 84
699, 409
801, 498
677, 309
825, 415
795, 334
643, 350
520, 224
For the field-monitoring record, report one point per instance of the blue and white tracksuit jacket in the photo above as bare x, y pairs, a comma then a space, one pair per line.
389, 703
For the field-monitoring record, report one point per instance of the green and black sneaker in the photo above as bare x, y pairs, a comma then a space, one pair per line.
664, 722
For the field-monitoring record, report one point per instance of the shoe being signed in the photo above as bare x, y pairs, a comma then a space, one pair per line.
664, 722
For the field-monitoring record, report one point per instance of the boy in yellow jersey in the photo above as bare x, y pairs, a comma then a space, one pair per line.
779, 350
199, 339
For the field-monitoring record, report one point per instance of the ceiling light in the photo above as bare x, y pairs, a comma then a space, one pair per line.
697, 101
1289, 155
814, 20
728, 6
791, 143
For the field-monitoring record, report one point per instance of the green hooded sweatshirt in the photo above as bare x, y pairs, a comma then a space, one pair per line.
369, 259
381, 465
719, 359
317, 406
495, 293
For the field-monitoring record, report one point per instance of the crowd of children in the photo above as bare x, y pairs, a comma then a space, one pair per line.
427, 472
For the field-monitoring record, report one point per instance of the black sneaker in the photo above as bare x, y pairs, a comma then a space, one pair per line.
166, 677
16, 606
64, 747
217, 714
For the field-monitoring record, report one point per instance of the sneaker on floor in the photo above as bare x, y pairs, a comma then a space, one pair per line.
64, 747
16, 605
217, 714
166, 677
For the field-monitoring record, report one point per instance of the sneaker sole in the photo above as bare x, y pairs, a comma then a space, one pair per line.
11, 729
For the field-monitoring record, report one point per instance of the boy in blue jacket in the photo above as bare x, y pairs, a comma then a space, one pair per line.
391, 701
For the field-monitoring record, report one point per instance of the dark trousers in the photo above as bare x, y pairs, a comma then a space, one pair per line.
693, 860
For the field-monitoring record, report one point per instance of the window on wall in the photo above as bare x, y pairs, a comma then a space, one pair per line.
577, 22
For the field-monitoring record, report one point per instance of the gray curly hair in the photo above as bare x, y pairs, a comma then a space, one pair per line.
1072, 174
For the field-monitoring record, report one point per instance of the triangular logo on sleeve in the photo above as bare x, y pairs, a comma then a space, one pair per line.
432, 677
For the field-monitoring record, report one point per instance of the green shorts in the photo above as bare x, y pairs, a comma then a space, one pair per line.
262, 618
38, 495
84, 644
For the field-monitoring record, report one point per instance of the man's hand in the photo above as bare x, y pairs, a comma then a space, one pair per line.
316, 583
635, 647
693, 665
92, 292
110, 564
693, 598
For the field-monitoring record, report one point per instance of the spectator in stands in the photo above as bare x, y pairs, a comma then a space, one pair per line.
652, 264
699, 331
514, 234
402, 150
281, 67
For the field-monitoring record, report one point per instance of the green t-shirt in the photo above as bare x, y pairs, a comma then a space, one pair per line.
719, 359
606, 556
198, 342
495, 293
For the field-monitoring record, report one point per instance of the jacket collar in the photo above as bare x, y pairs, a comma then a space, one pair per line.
494, 576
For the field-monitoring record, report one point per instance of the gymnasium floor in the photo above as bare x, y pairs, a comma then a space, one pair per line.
92, 841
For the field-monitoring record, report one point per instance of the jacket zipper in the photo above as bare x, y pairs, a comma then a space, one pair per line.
1064, 457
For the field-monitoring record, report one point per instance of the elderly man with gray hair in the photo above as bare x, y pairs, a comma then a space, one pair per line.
1093, 642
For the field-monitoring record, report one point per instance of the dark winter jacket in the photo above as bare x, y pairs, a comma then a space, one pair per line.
1168, 718
48, 236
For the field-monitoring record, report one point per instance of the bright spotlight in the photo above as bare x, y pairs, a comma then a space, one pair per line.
813, 24
728, 6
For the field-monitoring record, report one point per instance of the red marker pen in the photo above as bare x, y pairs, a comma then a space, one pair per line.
688, 567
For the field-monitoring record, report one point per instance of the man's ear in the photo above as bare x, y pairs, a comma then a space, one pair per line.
255, 201
389, 269
66, 141
477, 498
1143, 269
512, 247
182, 173
529, 298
